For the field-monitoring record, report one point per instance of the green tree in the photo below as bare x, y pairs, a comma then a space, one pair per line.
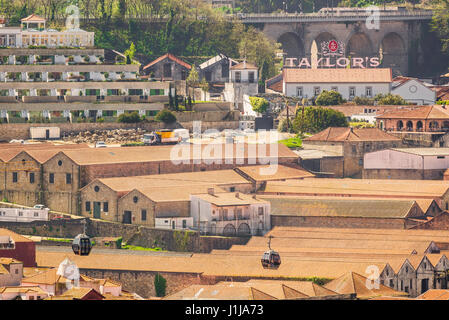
129, 54
165, 116
389, 99
315, 119
193, 78
259, 105
127, 117
160, 285
329, 98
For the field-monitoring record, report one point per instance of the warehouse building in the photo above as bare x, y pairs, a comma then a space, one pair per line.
342, 212
406, 163
338, 152
367, 188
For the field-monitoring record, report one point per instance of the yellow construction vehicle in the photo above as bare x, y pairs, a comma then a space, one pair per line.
166, 136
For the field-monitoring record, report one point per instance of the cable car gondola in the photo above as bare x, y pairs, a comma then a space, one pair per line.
270, 259
81, 245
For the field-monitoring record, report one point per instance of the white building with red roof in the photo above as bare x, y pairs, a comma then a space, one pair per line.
350, 83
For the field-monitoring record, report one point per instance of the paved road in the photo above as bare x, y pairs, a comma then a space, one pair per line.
115, 251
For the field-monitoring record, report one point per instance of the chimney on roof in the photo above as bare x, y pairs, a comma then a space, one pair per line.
237, 195
254, 196
211, 191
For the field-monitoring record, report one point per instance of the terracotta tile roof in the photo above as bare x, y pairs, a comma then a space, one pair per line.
213, 177
32, 271
80, 293
208, 265
354, 75
8, 261
33, 18
14, 236
353, 282
48, 277
434, 294
244, 66
256, 173
342, 134
171, 57
424, 234
94, 156
253, 290
219, 292
40, 151
229, 199
341, 207
23, 289
173, 193
410, 189
442, 92
436, 112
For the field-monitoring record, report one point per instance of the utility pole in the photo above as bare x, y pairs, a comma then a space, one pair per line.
288, 118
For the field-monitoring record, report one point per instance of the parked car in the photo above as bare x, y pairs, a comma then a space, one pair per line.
40, 207
100, 144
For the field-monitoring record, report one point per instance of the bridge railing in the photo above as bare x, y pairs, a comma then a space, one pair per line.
329, 16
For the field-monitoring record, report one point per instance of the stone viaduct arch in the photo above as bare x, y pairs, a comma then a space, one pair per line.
292, 45
391, 42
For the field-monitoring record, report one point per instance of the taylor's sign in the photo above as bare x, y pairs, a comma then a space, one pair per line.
333, 55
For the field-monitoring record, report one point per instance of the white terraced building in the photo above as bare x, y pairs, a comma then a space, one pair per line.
73, 84
33, 32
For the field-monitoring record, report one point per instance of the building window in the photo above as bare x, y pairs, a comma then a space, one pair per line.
251, 77
316, 91
440, 157
260, 210
239, 213
52, 178
351, 92
14, 177
334, 89
17, 271
183, 75
184, 224
106, 206
208, 76
238, 77
368, 92
391, 283
36, 214
31, 177
144, 215
135, 199
60, 163
232, 189
68, 178
88, 206
167, 70
411, 284
300, 91
224, 70
360, 162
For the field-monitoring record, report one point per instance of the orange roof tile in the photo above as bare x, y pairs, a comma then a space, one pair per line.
352, 134
171, 57
33, 18
353, 282
422, 112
